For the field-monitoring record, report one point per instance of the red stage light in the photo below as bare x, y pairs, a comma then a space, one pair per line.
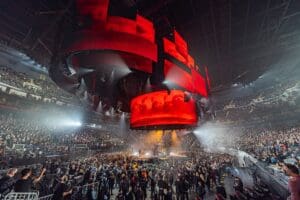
163, 108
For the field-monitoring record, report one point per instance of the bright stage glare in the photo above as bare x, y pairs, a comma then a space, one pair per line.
73, 123
147, 154
172, 154
94, 126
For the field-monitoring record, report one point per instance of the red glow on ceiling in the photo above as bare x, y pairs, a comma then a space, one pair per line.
163, 109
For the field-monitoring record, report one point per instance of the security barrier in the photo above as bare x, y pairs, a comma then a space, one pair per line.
48, 197
22, 196
80, 192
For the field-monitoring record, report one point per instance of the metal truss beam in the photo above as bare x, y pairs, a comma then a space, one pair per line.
51, 25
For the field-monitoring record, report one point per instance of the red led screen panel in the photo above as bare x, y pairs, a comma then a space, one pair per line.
92, 40
181, 44
176, 75
121, 24
137, 62
191, 62
144, 23
170, 48
163, 109
145, 28
94, 8
199, 83
146, 34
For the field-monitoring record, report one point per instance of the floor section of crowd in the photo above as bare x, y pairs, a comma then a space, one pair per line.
116, 176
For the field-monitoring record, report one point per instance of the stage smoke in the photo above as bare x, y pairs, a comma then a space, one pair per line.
112, 111
148, 85
100, 107
123, 127
86, 96
216, 136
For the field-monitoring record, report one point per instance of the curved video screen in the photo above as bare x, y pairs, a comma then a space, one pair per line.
163, 108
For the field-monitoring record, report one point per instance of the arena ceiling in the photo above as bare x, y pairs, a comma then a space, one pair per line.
237, 40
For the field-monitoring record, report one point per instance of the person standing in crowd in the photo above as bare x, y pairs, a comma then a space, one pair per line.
169, 195
220, 193
238, 185
133, 182
61, 189
152, 186
143, 185
124, 185
184, 185
294, 181
177, 187
162, 186
139, 194
7, 182
111, 182
26, 183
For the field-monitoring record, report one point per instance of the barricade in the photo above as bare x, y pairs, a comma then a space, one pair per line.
22, 196
81, 192
48, 197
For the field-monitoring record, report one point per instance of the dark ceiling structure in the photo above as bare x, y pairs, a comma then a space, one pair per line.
237, 40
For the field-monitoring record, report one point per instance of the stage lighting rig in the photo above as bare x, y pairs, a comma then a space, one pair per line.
115, 64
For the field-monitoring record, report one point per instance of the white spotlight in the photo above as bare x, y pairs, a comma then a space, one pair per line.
166, 82
73, 123
147, 154
135, 153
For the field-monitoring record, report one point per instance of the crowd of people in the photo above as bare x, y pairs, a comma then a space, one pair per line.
107, 176
29, 139
266, 92
273, 146
261, 102
278, 147
123, 177
74, 163
41, 86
